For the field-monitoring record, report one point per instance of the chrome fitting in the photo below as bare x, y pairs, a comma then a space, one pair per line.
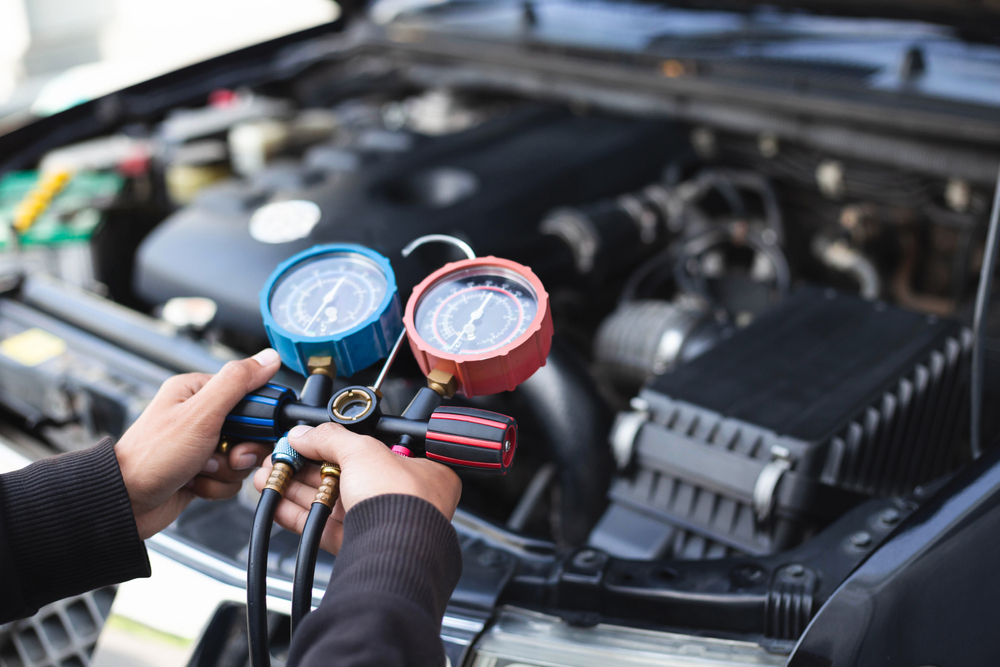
283, 453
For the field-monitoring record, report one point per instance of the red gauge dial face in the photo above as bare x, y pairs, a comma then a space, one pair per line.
485, 321
477, 310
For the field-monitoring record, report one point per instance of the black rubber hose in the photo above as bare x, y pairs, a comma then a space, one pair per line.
260, 539
567, 413
305, 562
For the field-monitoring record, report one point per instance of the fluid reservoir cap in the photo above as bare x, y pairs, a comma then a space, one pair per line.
284, 221
193, 311
337, 300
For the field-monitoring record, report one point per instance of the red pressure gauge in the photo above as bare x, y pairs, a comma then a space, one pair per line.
486, 321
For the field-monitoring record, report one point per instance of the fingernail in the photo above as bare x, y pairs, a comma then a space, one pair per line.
246, 461
299, 431
266, 357
211, 466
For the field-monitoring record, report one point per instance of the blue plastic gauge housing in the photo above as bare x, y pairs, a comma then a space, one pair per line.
336, 300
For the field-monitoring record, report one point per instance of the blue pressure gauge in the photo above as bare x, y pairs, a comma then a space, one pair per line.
338, 300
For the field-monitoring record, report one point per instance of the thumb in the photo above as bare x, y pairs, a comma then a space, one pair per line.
332, 442
233, 382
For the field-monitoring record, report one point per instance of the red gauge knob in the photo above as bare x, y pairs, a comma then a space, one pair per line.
486, 321
471, 438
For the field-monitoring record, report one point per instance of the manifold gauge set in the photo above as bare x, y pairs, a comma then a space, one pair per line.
476, 327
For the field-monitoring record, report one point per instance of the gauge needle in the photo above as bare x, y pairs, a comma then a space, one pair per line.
470, 328
327, 298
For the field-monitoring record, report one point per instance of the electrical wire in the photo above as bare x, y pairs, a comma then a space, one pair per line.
979, 324
260, 538
305, 562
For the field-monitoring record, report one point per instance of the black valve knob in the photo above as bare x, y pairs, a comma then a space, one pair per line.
470, 438
256, 416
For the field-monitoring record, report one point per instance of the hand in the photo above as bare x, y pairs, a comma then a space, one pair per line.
368, 469
167, 456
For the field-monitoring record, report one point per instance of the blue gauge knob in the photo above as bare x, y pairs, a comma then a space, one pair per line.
335, 300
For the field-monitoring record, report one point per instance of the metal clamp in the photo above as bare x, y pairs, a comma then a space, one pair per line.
767, 482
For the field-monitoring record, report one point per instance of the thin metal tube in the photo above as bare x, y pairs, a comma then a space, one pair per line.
388, 362
439, 238
979, 324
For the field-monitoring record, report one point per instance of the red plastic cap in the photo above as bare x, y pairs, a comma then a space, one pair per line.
497, 370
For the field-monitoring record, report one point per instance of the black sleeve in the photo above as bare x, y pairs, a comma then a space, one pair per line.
66, 527
390, 585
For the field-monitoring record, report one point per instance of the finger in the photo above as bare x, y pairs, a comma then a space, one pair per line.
213, 489
260, 477
339, 512
309, 475
332, 442
179, 388
291, 516
232, 383
217, 467
301, 494
248, 455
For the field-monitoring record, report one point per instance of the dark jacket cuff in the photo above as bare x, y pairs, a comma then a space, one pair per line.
398, 545
68, 527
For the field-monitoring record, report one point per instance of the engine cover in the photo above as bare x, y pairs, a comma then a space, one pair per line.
826, 399
490, 185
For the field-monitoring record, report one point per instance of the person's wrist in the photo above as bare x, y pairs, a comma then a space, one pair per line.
131, 469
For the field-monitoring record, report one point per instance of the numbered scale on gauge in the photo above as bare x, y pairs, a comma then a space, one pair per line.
485, 321
336, 300
328, 294
474, 312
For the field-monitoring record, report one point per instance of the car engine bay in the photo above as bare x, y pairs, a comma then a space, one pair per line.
762, 346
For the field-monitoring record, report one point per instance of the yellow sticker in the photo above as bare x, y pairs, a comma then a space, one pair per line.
33, 347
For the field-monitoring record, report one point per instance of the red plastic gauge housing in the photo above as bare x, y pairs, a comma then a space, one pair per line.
486, 321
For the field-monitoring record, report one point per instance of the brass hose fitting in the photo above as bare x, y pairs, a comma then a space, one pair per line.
329, 489
443, 383
281, 475
322, 366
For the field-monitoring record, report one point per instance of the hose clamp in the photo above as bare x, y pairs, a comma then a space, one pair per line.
644, 218
577, 232
767, 482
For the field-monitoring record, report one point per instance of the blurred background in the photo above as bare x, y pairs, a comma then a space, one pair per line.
57, 53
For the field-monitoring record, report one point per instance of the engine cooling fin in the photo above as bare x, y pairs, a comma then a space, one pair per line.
825, 400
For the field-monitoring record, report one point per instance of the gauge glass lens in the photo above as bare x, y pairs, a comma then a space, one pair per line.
476, 310
327, 295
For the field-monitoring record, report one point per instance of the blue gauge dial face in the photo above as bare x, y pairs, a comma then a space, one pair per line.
327, 295
476, 311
